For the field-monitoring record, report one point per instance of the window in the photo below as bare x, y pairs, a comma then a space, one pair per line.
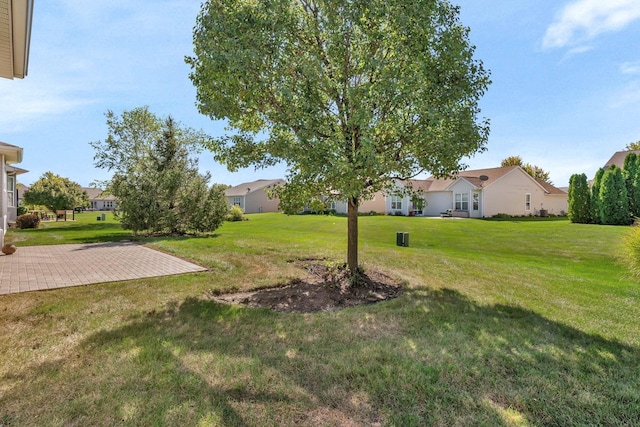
11, 186
476, 201
396, 202
462, 201
527, 202
237, 201
332, 205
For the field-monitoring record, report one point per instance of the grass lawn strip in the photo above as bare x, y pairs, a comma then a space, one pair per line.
501, 323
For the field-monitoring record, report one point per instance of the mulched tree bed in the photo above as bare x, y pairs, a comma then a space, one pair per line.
325, 287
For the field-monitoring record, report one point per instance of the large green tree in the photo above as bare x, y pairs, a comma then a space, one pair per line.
633, 146
155, 175
349, 94
533, 170
56, 193
596, 201
613, 198
631, 173
579, 199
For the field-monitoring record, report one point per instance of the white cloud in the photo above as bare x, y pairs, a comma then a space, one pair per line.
22, 105
583, 20
630, 67
628, 97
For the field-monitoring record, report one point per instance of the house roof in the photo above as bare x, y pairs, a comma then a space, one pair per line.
251, 187
97, 194
471, 176
15, 37
618, 158
550, 188
12, 153
481, 178
13, 170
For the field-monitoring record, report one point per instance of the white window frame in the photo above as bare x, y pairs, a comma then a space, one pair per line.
527, 202
237, 201
476, 201
11, 191
461, 201
396, 203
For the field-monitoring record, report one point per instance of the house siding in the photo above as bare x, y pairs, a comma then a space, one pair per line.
259, 202
437, 202
377, 204
507, 195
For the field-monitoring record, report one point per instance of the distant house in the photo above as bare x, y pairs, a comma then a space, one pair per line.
480, 193
9, 154
99, 200
619, 157
375, 204
252, 197
20, 190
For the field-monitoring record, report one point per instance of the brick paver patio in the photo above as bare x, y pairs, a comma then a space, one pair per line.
34, 268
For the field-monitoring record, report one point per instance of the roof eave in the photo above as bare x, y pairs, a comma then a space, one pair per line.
20, 23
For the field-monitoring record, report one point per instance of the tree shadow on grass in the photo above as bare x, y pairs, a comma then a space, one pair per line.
431, 357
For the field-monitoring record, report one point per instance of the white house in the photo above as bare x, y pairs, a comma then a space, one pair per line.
9, 154
481, 193
252, 197
99, 200
16, 17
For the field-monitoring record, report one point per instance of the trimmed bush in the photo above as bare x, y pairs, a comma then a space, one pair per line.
579, 199
235, 214
28, 221
614, 208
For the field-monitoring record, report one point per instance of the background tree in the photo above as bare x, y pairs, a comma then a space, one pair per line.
533, 170
56, 193
579, 199
613, 196
596, 201
633, 146
631, 174
349, 94
156, 179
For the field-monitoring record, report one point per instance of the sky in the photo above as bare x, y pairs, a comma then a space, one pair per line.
565, 94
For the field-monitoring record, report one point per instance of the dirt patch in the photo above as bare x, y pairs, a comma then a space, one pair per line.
325, 287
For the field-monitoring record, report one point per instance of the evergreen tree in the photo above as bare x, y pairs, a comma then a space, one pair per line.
631, 173
156, 179
579, 198
595, 197
613, 195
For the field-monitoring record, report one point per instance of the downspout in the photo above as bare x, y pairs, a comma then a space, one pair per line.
3, 199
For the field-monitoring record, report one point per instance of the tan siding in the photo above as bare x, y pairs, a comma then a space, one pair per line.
507, 195
375, 205
258, 202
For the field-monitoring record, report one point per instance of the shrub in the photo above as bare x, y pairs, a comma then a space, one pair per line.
630, 253
579, 198
235, 214
502, 215
614, 209
22, 210
28, 221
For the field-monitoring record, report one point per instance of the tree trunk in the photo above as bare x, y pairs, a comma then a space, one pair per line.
352, 235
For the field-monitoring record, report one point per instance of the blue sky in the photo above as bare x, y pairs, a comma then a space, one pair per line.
565, 93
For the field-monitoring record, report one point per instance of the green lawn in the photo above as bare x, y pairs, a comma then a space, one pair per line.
501, 323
